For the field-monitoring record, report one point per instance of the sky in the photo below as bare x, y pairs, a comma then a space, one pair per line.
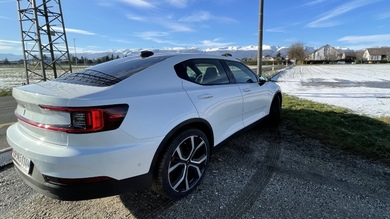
103, 25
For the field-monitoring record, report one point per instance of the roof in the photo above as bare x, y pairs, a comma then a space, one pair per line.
379, 51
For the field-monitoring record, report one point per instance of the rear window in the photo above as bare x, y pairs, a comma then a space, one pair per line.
112, 72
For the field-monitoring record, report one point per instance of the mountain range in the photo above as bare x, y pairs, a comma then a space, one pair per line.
235, 51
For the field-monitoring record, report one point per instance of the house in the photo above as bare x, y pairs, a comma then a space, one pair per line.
268, 58
377, 54
348, 56
325, 53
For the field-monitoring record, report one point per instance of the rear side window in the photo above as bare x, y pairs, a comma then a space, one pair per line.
202, 71
110, 73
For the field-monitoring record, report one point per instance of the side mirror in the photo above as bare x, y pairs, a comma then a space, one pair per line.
262, 80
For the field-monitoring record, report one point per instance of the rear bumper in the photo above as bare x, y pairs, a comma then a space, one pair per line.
125, 162
75, 192
120, 157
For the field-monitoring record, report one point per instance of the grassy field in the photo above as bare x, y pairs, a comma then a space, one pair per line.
5, 92
337, 127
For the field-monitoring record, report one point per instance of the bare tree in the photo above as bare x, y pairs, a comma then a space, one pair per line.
297, 52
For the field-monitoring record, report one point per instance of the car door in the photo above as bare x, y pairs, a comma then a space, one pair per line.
216, 99
256, 98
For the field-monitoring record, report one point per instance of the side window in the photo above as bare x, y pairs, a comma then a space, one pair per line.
203, 71
241, 73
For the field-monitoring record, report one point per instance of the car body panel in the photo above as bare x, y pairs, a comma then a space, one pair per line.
220, 105
256, 100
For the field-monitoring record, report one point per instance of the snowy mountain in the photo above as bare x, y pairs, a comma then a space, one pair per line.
236, 51
10, 57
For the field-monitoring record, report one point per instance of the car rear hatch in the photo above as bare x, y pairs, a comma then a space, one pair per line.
34, 104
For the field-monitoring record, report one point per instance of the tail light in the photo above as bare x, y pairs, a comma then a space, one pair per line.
85, 119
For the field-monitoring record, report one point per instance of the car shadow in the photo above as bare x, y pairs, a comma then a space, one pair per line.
149, 204
146, 204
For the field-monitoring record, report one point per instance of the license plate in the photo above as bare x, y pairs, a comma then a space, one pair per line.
22, 161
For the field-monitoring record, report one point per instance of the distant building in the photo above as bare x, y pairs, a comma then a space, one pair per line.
349, 56
325, 53
268, 58
377, 54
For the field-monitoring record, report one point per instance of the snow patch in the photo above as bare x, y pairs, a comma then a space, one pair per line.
364, 89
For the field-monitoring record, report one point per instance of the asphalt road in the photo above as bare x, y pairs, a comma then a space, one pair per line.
7, 117
265, 173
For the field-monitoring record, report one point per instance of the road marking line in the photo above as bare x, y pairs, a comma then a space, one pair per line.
6, 124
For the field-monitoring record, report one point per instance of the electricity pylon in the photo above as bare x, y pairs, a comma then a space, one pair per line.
45, 47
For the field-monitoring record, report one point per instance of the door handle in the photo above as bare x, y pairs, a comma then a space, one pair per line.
205, 96
246, 90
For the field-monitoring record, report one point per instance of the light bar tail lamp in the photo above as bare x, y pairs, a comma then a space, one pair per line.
85, 119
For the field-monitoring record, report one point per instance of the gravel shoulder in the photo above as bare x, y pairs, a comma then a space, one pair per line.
265, 173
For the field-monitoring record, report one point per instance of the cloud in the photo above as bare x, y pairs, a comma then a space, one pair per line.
9, 45
178, 3
6, 47
326, 19
316, 2
214, 43
276, 30
139, 3
197, 17
122, 41
380, 39
70, 30
157, 37
10, 41
201, 16
383, 16
177, 27
135, 17
152, 35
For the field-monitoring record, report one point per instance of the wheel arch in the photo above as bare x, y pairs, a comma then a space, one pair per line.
278, 94
197, 123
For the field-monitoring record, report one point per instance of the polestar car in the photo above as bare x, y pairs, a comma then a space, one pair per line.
133, 123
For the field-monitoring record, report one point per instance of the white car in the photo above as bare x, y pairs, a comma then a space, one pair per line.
133, 123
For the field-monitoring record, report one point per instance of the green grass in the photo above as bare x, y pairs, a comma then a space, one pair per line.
5, 93
338, 127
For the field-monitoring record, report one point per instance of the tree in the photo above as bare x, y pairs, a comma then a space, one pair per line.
278, 56
297, 52
6, 62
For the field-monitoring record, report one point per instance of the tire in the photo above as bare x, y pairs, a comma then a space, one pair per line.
182, 165
275, 111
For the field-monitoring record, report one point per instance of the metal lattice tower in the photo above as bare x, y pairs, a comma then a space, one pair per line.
45, 47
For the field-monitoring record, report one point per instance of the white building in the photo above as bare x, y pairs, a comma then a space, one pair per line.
377, 54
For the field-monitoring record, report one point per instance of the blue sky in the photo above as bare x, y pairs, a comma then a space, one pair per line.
101, 25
